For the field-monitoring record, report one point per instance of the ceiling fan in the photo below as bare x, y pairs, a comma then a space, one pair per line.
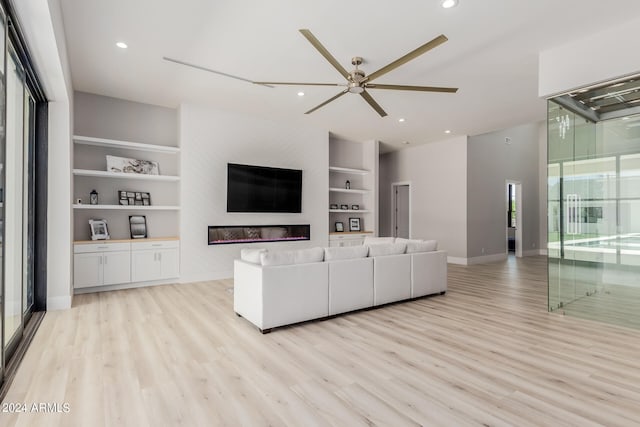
358, 82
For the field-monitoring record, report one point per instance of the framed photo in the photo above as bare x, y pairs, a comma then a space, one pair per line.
354, 224
344, 207
339, 227
333, 206
133, 198
138, 226
355, 207
99, 229
126, 165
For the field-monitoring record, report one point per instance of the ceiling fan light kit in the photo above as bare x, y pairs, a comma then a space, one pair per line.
357, 80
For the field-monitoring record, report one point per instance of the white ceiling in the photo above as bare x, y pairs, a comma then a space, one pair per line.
491, 55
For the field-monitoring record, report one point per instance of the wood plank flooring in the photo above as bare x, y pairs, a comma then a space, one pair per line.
486, 353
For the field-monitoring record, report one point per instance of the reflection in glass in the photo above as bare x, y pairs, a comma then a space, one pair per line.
593, 203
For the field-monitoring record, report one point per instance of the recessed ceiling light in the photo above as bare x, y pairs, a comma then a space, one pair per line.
447, 131
401, 120
447, 4
300, 93
122, 45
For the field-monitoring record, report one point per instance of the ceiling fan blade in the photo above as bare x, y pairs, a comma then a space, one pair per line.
299, 84
373, 103
416, 88
199, 67
408, 57
324, 52
327, 101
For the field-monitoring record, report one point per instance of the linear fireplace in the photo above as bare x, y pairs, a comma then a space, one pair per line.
229, 234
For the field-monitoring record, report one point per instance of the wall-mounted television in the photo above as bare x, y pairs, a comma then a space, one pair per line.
263, 189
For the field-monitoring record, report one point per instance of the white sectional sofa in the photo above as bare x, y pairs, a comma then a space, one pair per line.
277, 288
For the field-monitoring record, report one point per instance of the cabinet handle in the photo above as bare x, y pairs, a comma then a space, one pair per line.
103, 247
160, 256
156, 244
100, 261
105, 260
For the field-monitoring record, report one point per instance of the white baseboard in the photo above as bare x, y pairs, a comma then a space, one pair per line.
59, 303
542, 252
486, 259
532, 252
456, 260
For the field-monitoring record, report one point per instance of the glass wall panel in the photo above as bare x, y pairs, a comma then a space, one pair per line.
594, 215
14, 201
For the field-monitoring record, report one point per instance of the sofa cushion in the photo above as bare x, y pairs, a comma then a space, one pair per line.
301, 256
368, 240
406, 241
387, 249
422, 246
252, 254
347, 252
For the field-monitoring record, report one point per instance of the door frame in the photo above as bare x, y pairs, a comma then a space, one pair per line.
519, 216
394, 186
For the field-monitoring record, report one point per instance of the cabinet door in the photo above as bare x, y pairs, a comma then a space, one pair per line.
117, 267
169, 263
87, 270
145, 266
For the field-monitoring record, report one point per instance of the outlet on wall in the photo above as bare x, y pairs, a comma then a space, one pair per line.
483, 251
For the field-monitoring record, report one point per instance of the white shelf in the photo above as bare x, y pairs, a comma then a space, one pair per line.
349, 211
113, 143
105, 174
348, 170
350, 190
127, 207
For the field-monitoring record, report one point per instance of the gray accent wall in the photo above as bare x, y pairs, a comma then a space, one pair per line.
438, 175
491, 162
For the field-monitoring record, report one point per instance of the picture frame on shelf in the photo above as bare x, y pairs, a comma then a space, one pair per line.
355, 224
355, 207
99, 230
133, 198
339, 227
138, 226
344, 207
333, 206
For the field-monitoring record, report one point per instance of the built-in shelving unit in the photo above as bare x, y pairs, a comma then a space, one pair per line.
351, 171
356, 162
349, 190
127, 208
106, 174
114, 143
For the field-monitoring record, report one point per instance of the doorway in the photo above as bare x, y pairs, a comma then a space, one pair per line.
514, 218
401, 210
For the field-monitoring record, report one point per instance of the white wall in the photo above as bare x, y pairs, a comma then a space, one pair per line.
210, 139
600, 57
438, 175
490, 163
41, 22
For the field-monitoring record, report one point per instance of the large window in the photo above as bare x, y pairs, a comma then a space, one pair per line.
22, 195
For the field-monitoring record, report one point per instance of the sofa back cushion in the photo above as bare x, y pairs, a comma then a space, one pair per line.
387, 249
347, 252
368, 240
252, 254
301, 256
421, 246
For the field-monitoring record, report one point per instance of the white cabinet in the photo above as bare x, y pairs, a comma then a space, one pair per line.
114, 263
101, 264
154, 260
347, 239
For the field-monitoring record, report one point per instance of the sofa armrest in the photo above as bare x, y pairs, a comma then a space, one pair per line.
247, 291
428, 273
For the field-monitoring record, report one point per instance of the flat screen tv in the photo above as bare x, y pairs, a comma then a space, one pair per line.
263, 189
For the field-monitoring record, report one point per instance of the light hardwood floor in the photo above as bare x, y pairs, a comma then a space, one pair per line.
487, 353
